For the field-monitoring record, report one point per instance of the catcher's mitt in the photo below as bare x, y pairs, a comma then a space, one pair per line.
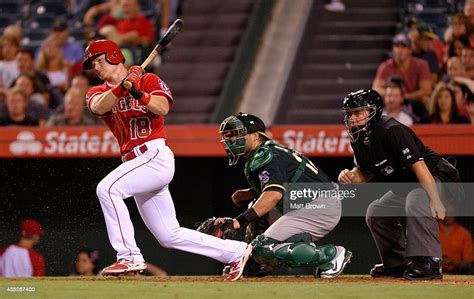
223, 231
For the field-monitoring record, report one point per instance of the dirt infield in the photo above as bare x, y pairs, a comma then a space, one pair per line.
359, 279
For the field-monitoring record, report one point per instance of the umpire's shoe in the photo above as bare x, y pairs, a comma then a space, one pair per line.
423, 268
380, 271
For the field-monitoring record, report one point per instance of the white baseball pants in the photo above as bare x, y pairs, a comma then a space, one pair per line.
146, 178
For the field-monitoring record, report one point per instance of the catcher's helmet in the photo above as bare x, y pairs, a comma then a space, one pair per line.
112, 52
234, 129
364, 99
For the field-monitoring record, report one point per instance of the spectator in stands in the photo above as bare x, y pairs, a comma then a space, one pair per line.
393, 103
467, 58
81, 82
463, 95
25, 61
74, 111
52, 63
86, 263
460, 26
421, 40
21, 260
31, 87
454, 68
18, 111
443, 109
109, 11
14, 31
456, 46
134, 29
413, 71
469, 9
8, 66
456, 244
72, 52
410, 72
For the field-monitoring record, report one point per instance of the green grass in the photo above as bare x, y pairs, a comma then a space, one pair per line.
453, 287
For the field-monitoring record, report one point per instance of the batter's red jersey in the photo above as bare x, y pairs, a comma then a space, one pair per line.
131, 122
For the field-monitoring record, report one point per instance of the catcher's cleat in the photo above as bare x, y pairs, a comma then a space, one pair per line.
343, 257
236, 268
380, 271
123, 266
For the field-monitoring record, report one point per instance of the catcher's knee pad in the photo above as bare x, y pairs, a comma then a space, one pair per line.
291, 254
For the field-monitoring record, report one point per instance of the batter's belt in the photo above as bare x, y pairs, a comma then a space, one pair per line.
142, 148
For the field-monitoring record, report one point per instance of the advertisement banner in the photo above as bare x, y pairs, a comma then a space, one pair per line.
204, 140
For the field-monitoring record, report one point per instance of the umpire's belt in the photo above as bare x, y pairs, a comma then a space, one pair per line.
142, 148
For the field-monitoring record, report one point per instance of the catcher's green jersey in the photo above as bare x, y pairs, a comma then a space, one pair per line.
272, 165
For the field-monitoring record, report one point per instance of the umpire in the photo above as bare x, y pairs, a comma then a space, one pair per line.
403, 223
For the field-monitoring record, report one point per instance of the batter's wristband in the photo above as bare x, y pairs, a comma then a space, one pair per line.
247, 217
145, 99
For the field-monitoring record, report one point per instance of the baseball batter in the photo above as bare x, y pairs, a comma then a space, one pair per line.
136, 118
269, 165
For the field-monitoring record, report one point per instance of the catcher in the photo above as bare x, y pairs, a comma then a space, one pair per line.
289, 240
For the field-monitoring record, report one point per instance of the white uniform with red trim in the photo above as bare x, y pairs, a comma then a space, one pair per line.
17, 261
146, 178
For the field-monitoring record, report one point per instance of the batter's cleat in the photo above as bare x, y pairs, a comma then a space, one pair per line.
226, 270
123, 266
343, 257
423, 268
380, 271
236, 268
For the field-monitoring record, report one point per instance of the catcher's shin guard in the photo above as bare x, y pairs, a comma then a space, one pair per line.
292, 254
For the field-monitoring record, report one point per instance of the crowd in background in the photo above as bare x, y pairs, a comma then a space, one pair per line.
46, 86
429, 79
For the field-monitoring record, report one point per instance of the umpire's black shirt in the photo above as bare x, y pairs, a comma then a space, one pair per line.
393, 148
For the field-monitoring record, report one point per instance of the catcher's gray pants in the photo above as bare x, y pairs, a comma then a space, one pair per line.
403, 227
318, 221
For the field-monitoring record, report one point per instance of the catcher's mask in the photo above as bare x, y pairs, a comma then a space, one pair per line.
233, 130
353, 104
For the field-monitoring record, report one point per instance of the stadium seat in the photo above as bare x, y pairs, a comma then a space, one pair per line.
54, 8
40, 22
7, 19
10, 7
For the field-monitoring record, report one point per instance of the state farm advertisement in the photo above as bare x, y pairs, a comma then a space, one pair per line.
204, 141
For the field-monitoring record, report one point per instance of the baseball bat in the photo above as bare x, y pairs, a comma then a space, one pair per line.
162, 43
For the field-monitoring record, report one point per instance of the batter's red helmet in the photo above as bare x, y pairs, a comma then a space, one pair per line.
112, 52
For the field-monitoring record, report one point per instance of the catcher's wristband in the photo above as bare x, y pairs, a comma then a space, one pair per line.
247, 217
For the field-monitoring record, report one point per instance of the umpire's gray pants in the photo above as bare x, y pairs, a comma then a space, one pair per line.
317, 220
403, 227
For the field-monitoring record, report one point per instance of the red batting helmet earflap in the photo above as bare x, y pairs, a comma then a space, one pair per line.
112, 52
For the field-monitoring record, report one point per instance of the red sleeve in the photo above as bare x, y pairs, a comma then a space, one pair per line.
37, 260
2, 250
424, 69
153, 84
91, 94
381, 72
